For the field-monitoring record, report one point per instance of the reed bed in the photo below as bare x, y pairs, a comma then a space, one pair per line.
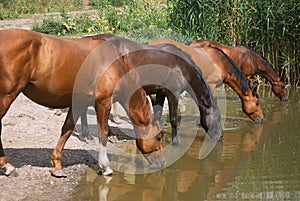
269, 27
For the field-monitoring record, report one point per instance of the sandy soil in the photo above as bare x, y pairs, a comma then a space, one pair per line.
29, 134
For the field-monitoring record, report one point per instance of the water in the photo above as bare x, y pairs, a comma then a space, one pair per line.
254, 162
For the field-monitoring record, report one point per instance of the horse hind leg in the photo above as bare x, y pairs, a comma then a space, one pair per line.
5, 102
8, 168
115, 114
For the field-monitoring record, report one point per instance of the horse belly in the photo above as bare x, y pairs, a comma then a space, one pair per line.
48, 98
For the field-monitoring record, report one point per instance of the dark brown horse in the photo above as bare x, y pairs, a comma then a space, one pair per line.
217, 69
46, 69
251, 63
168, 71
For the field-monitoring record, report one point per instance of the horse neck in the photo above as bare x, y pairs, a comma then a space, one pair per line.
233, 76
139, 109
252, 63
264, 68
137, 105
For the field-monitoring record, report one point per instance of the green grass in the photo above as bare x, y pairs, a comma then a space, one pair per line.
111, 19
11, 9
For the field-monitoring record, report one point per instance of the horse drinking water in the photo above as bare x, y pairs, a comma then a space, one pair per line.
45, 69
170, 72
217, 69
250, 62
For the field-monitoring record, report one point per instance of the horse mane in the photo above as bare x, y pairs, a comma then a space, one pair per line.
236, 71
262, 57
186, 57
175, 50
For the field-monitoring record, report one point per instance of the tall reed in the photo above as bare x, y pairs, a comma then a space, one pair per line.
269, 27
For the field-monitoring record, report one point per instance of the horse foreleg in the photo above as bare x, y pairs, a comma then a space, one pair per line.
173, 110
56, 156
158, 104
102, 111
116, 117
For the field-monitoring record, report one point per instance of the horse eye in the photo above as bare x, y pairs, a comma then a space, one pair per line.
158, 138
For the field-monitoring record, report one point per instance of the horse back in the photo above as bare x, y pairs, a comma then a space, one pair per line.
41, 66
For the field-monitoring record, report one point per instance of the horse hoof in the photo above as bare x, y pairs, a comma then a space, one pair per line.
13, 174
107, 171
59, 174
58, 112
10, 170
175, 143
89, 137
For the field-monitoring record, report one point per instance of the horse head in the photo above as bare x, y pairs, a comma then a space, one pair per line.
279, 88
211, 121
251, 107
150, 142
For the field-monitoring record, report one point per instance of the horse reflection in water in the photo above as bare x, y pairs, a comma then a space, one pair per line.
189, 178
250, 62
45, 68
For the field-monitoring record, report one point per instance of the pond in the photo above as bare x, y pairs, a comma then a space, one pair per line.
253, 162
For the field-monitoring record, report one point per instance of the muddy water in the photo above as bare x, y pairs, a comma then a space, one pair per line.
253, 162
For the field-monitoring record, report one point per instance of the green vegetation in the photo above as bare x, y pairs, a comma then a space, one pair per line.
269, 27
11, 9
113, 17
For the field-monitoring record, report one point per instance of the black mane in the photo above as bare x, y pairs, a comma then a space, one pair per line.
177, 51
237, 72
262, 57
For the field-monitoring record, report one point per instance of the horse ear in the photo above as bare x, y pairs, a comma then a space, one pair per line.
156, 117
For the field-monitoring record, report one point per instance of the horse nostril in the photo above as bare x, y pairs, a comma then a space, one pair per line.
259, 120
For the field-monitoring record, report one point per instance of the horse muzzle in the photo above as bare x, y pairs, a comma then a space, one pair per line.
258, 119
156, 159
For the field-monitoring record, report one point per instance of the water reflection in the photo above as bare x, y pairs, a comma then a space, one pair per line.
254, 162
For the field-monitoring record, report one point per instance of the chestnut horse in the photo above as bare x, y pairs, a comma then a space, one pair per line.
171, 72
251, 63
45, 68
216, 71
